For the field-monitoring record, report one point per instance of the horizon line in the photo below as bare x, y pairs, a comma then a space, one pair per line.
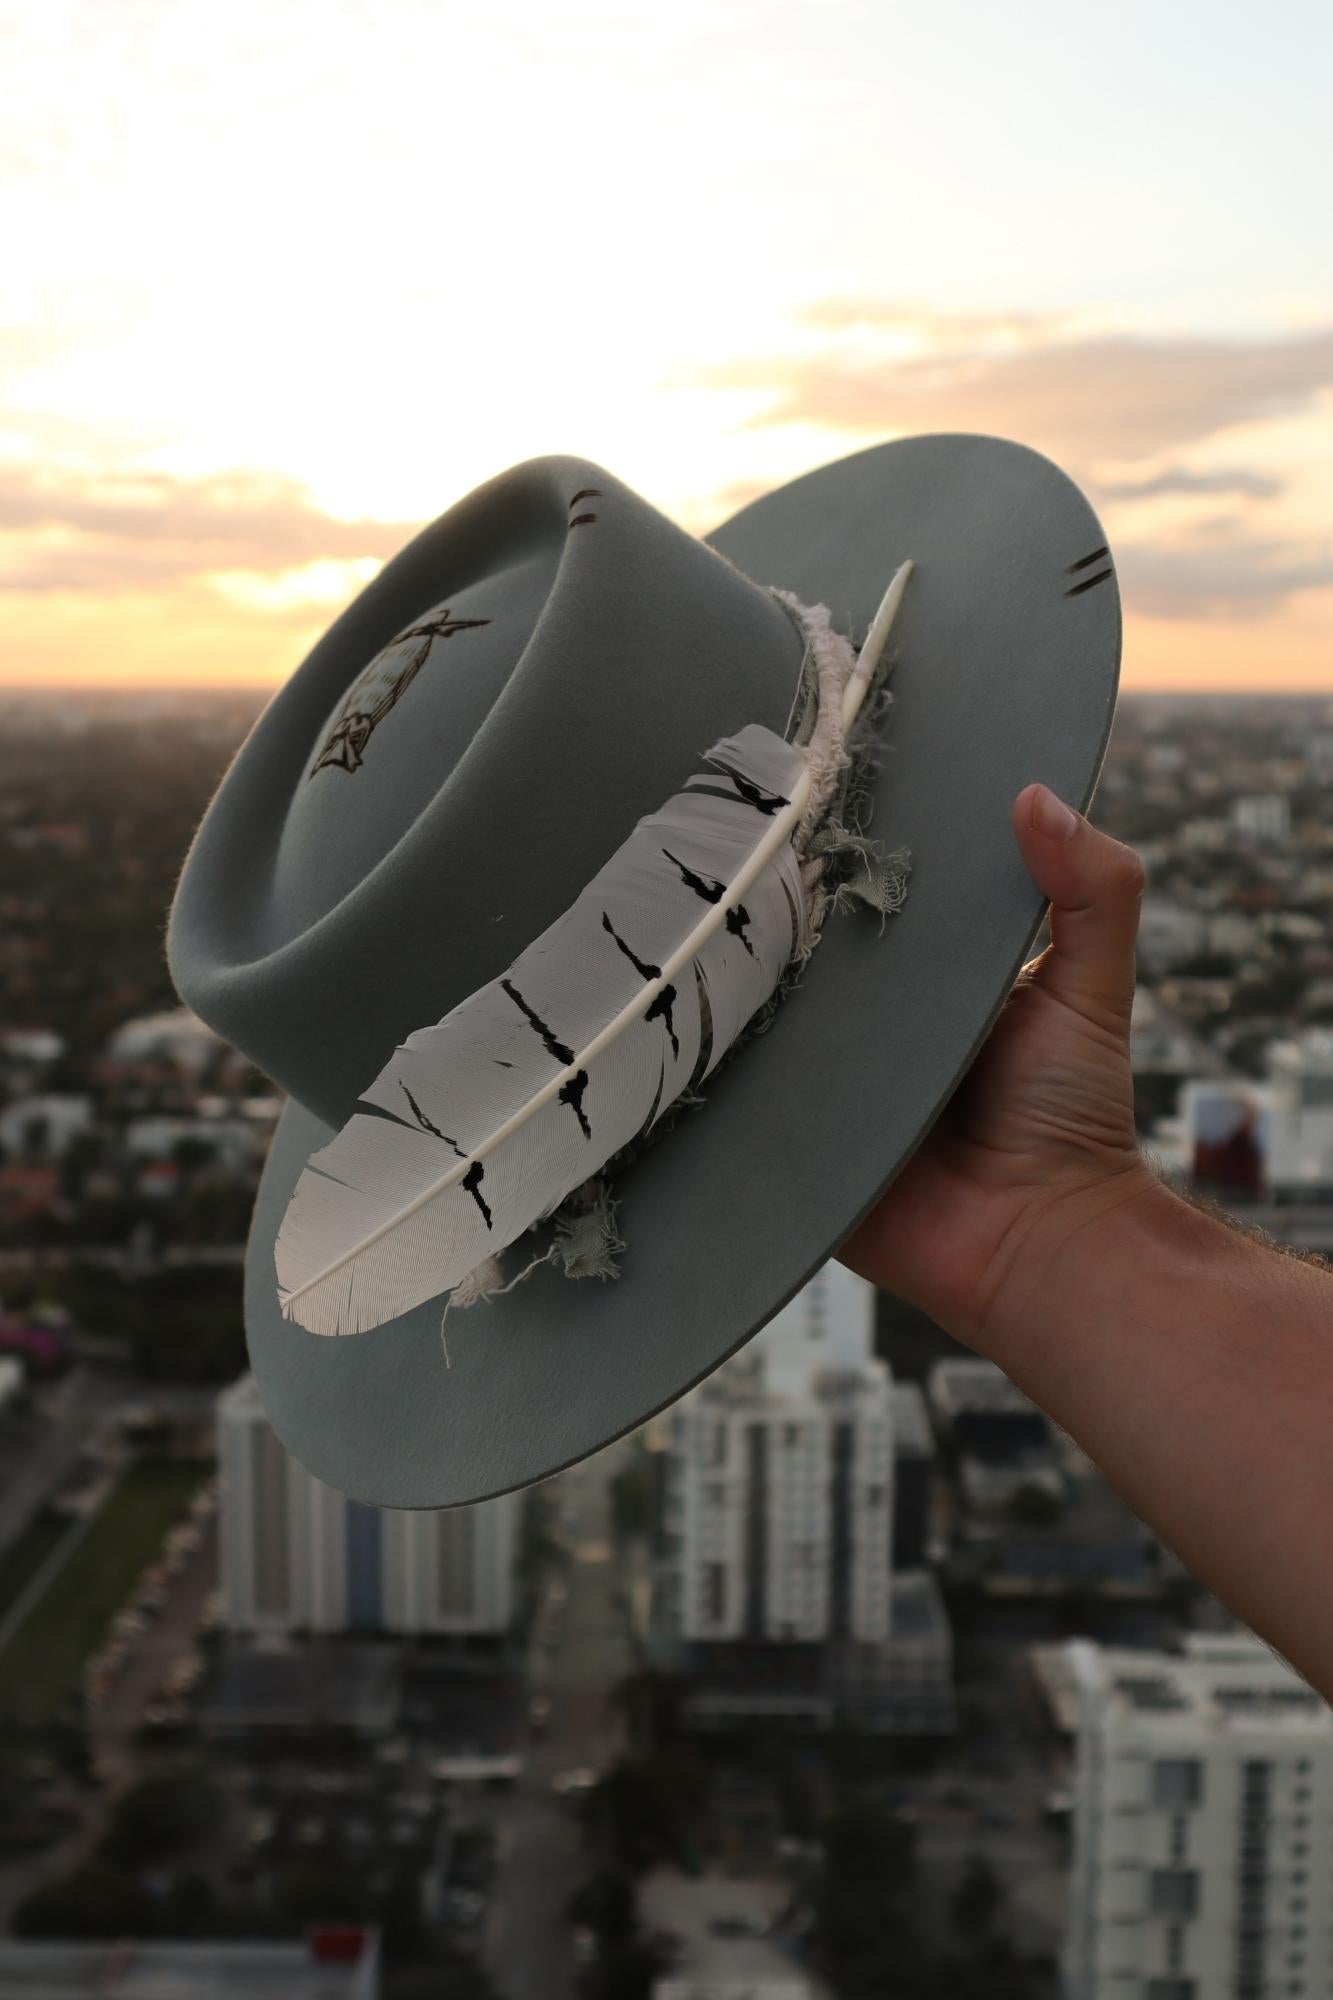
1291, 690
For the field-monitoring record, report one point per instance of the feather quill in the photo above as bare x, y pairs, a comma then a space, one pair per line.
497, 1112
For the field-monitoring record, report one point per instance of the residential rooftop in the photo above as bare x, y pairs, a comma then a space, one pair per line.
1213, 1691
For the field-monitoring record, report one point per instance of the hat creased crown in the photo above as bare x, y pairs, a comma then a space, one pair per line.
457, 756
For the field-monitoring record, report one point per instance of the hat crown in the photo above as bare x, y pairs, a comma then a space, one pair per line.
464, 748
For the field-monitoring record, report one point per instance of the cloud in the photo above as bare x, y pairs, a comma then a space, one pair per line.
1178, 479
939, 328
1082, 398
85, 532
1223, 572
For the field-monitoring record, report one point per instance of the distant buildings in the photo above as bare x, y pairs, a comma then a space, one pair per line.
1203, 1826
44, 1128
297, 1556
1001, 1440
177, 1037
334, 1963
776, 1590
1266, 817
1243, 1141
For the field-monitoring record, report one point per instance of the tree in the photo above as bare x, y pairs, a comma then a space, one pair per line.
94, 1902
977, 1898
628, 1971
157, 1818
324, 1892
865, 1922
646, 1810
607, 1905
1036, 1506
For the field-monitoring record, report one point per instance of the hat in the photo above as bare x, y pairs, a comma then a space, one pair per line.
474, 739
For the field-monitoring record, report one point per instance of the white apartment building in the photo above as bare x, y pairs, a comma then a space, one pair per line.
1203, 1826
297, 1556
1266, 817
779, 1495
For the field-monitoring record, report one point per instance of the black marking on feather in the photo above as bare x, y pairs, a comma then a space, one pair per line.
1088, 583
582, 520
643, 966
500, 1063
663, 1002
708, 886
425, 1123
754, 795
472, 1181
660, 1010
572, 1095
699, 788
554, 1046
1086, 562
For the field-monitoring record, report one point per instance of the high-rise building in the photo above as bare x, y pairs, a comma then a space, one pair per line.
297, 1556
913, 1470
779, 1481
1203, 1826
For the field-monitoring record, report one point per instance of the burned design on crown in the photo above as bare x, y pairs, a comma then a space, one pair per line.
381, 686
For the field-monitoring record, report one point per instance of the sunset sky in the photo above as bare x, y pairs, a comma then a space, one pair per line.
283, 278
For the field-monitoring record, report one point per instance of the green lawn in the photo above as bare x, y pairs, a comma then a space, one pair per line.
42, 1663
23, 1558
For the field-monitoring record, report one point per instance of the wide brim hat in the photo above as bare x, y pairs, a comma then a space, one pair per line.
460, 754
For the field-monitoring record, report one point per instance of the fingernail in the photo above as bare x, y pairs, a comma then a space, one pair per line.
1052, 816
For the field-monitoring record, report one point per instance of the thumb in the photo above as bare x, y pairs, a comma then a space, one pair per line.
1094, 885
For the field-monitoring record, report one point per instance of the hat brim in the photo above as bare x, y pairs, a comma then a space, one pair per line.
1007, 654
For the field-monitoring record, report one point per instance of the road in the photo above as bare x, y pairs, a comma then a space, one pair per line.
527, 1946
71, 1414
169, 1637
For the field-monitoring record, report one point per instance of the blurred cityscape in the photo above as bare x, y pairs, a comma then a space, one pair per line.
848, 1677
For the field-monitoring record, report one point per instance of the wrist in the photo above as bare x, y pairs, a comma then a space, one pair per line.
1090, 1254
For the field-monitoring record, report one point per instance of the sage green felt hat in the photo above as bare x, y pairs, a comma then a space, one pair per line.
466, 747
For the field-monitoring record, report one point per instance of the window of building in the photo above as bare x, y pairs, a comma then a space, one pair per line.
1171, 1989
1174, 1892
717, 1442
1177, 1782
715, 1592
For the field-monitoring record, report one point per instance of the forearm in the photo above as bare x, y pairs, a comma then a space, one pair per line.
1195, 1366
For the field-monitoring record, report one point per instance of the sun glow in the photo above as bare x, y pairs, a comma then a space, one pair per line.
282, 283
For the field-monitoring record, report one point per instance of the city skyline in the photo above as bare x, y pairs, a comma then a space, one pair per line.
280, 289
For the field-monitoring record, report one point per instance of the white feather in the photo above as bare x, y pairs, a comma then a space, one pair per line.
534, 1082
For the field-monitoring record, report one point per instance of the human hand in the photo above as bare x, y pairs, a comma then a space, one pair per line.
1037, 1144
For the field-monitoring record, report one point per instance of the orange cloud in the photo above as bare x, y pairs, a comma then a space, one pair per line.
1081, 399
63, 531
